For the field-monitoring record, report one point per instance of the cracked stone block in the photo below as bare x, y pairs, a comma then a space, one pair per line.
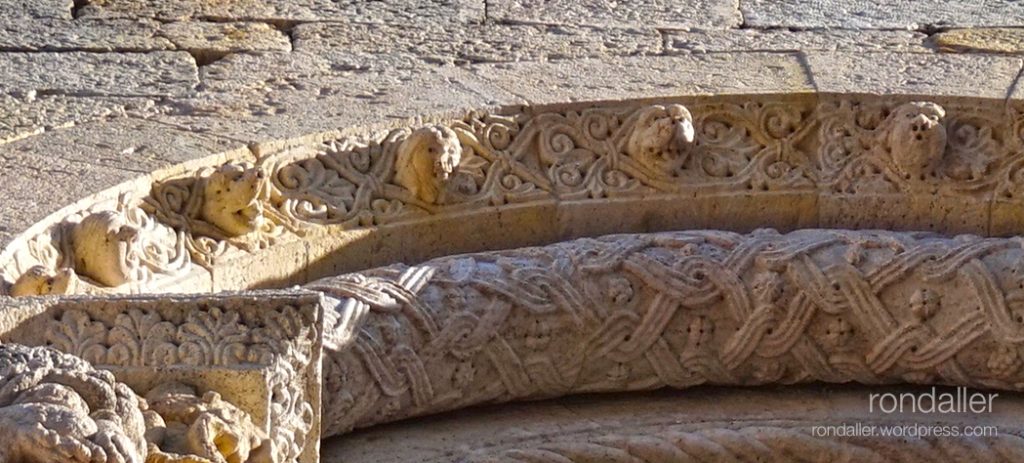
648, 13
116, 35
163, 73
213, 40
712, 41
443, 43
255, 98
910, 73
613, 79
286, 11
888, 14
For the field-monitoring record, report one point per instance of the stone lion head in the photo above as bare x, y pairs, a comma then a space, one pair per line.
426, 160
662, 137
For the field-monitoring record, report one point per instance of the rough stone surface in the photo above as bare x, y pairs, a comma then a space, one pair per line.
33, 9
258, 97
95, 36
213, 40
782, 40
464, 11
33, 114
653, 13
443, 43
99, 74
994, 40
404, 131
888, 14
609, 79
909, 73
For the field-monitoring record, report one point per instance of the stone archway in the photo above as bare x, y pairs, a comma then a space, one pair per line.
773, 304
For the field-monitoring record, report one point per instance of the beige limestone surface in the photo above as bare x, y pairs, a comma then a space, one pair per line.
104, 97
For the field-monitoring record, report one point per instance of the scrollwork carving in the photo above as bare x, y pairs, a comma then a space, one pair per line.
127, 246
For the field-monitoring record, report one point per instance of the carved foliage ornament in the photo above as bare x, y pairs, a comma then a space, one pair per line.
766, 144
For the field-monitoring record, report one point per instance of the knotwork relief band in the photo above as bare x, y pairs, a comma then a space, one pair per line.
680, 309
831, 238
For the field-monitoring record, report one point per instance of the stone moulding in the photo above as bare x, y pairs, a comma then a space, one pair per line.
259, 352
620, 313
674, 309
735, 162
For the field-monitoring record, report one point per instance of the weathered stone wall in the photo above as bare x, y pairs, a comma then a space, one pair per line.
97, 93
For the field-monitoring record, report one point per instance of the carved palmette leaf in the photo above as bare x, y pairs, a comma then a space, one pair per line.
285, 323
142, 338
77, 334
212, 337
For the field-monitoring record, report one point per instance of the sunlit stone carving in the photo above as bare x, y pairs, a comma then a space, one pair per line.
38, 281
637, 312
662, 137
56, 407
206, 427
233, 199
915, 137
426, 160
114, 248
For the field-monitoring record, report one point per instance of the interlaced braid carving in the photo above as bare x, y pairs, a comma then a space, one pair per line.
637, 312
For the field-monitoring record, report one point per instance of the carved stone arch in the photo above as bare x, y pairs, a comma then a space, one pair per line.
821, 299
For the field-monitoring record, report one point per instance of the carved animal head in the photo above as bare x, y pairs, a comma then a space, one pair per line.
426, 160
100, 243
213, 428
662, 137
231, 199
39, 280
915, 137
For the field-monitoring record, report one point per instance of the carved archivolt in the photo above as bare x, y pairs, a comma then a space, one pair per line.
638, 312
843, 146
